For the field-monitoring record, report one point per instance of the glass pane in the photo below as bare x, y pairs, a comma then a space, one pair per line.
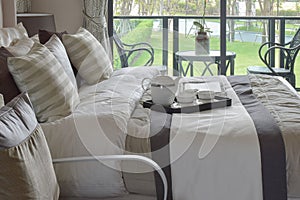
247, 28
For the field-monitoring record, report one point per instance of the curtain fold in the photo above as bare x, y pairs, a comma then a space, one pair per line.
95, 21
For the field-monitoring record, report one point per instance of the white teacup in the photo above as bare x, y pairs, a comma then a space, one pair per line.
206, 94
186, 96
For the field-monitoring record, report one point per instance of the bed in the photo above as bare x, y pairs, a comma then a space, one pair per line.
249, 150
225, 148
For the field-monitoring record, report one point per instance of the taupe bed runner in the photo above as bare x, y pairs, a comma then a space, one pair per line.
273, 157
160, 138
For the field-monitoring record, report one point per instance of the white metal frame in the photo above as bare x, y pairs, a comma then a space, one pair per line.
143, 159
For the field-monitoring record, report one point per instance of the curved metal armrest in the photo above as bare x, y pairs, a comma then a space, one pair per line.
132, 46
269, 43
143, 159
150, 60
287, 50
276, 45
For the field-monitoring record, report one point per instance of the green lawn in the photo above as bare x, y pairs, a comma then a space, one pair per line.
246, 53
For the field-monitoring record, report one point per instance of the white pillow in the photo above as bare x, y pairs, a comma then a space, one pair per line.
57, 48
40, 74
1, 101
88, 56
35, 38
7, 35
20, 47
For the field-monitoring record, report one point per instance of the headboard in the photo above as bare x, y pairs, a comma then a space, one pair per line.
8, 11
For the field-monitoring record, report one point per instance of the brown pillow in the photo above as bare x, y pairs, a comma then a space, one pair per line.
8, 87
45, 35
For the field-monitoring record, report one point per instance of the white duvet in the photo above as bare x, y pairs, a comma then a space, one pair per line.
98, 126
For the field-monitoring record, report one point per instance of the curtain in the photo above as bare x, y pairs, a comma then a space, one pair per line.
23, 6
8, 13
95, 12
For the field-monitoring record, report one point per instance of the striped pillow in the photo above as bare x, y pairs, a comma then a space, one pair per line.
40, 74
7, 35
1, 100
55, 45
88, 56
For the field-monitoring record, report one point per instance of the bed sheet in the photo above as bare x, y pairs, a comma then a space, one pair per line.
290, 125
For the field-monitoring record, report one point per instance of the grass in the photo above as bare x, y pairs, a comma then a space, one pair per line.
246, 54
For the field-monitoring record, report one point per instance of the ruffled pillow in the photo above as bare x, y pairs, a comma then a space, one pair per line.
26, 166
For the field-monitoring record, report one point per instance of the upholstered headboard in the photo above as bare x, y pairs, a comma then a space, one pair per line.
8, 13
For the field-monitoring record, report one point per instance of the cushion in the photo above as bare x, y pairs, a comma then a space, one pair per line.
8, 86
7, 35
26, 166
88, 56
20, 47
35, 38
45, 35
55, 45
1, 100
40, 74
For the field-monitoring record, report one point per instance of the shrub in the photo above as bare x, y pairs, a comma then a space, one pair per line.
141, 33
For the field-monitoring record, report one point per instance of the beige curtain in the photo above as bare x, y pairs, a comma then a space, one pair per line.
95, 12
23, 6
8, 13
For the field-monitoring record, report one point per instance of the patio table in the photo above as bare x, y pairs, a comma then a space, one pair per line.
214, 57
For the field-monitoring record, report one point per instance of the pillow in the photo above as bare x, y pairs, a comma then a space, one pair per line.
40, 74
35, 38
7, 35
26, 166
1, 101
8, 86
57, 48
20, 47
88, 56
45, 35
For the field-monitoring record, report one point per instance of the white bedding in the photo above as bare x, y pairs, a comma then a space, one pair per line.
189, 175
104, 118
215, 154
97, 127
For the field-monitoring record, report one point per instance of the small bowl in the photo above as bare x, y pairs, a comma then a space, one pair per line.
186, 96
206, 94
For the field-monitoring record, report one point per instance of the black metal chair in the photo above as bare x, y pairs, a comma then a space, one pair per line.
126, 50
289, 53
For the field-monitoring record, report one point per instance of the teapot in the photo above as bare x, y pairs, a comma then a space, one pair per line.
163, 89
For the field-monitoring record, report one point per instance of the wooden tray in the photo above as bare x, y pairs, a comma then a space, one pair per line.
217, 102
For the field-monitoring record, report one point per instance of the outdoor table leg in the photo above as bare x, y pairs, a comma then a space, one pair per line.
207, 68
231, 66
192, 68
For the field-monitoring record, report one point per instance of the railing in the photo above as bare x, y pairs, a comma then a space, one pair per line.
271, 33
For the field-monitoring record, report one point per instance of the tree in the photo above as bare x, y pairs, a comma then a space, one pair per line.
266, 7
231, 10
146, 7
123, 7
249, 11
